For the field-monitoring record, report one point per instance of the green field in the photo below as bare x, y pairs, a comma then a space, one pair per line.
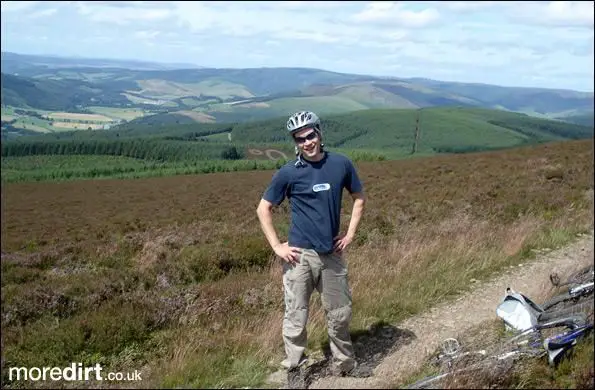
34, 124
440, 129
126, 114
66, 168
221, 137
368, 135
163, 89
51, 124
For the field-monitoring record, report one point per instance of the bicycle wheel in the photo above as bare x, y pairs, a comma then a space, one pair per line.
583, 308
583, 275
567, 300
578, 299
501, 359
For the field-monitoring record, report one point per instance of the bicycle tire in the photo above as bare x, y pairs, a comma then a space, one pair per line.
510, 349
565, 300
490, 362
583, 307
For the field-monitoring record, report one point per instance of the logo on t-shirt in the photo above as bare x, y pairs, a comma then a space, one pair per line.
321, 187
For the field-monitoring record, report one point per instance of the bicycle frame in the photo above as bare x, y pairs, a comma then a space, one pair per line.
554, 346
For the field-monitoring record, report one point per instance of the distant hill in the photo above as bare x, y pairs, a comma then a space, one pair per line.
48, 94
528, 100
442, 129
237, 95
16, 63
388, 131
586, 119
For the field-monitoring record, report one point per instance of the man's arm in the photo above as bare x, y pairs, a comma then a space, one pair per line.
359, 201
265, 216
283, 250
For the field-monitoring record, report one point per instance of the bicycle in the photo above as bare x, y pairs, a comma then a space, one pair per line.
577, 298
530, 320
528, 343
519, 312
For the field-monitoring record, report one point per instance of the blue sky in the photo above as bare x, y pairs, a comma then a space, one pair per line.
517, 43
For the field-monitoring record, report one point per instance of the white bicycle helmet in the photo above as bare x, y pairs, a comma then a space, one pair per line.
301, 120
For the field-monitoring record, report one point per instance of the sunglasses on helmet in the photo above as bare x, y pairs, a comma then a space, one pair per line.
309, 137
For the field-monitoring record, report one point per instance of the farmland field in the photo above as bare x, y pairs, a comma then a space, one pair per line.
79, 117
76, 125
172, 275
197, 116
127, 114
32, 123
169, 89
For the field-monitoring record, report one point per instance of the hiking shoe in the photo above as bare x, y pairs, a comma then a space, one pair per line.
303, 361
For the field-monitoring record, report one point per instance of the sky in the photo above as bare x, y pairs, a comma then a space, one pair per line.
516, 43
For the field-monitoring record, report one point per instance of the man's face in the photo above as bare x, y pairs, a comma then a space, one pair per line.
308, 142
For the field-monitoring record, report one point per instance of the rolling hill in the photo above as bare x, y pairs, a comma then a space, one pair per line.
50, 94
232, 95
15, 63
388, 131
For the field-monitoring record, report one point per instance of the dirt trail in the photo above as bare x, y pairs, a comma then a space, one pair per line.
475, 307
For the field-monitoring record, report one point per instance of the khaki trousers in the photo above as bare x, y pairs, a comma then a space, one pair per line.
328, 275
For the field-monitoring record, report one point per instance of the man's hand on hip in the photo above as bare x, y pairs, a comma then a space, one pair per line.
288, 253
341, 242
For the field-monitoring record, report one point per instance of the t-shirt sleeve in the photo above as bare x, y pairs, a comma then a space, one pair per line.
352, 182
277, 189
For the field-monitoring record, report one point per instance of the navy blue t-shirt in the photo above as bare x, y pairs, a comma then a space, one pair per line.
315, 191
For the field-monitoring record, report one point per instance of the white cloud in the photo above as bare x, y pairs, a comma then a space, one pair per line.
389, 12
43, 13
307, 36
302, 5
490, 41
464, 6
554, 13
570, 13
15, 6
120, 14
144, 34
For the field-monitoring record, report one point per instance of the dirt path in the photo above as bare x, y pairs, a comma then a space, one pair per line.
448, 319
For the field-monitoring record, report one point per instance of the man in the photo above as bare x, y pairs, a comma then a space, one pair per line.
313, 254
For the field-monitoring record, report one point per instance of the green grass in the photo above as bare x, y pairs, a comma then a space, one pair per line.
286, 106
34, 163
162, 89
221, 137
322, 105
32, 123
127, 114
371, 97
6, 110
441, 129
61, 168
367, 135
76, 167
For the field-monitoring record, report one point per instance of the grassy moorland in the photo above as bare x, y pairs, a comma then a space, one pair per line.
172, 276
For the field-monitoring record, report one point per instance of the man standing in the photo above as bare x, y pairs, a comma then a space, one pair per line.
313, 254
